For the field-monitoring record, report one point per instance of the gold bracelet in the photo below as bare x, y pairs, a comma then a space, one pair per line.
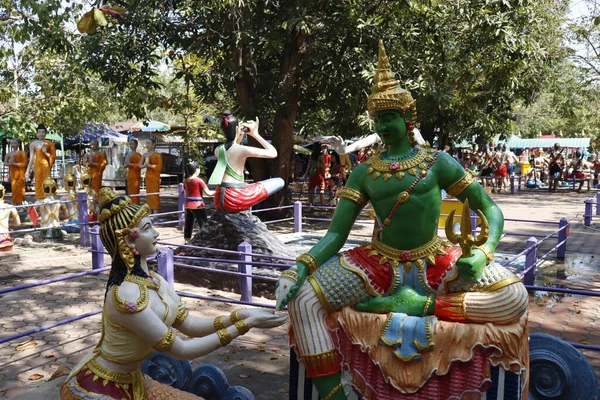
224, 337
486, 251
427, 304
333, 392
218, 323
310, 261
181, 316
166, 342
291, 275
234, 317
242, 327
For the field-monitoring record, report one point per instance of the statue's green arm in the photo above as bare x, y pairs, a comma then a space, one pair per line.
343, 220
450, 172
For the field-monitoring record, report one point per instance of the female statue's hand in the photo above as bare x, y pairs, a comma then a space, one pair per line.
287, 289
251, 126
264, 318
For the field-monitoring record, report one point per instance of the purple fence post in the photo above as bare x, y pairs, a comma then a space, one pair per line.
562, 235
598, 204
245, 282
530, 260
297, 217
519, 181
512, 184
587, 215
97, 248
83, 218
181, 206
164, 258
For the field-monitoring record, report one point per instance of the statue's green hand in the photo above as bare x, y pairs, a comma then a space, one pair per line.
302, 275
471, 267
406, 300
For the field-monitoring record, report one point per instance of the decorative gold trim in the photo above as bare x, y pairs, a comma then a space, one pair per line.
218, 323
460, 185
310, 261
242, 327
353, 195
320, 295
291, 275
117, 377
427, 304
182, 314
432, 248
224, 337
149, 282
489, 256
166, 342
234, 317
404, 165
502, 283
336, 389
130, 307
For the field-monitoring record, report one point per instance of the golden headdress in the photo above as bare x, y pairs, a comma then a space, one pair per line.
118, 216
86, 178
69, 179
49, 186
387, 93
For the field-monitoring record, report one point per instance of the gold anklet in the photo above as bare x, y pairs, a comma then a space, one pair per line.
224, 337
333, 392
218, 323
234, 317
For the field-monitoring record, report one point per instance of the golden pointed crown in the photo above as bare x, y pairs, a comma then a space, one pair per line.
107, 195
387, 93
86, 176
69, 176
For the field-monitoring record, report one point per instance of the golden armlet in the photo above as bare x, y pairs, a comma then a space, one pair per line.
218, 323
234, 317
224, 337
353, 195
166, 342
242, 327
309, 260
181, 316
460, 185
488, 254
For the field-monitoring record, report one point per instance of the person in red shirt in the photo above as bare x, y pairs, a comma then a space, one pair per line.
195, 208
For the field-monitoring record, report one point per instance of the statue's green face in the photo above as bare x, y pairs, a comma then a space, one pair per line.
390, 125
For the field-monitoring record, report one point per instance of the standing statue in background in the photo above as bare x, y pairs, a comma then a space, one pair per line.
42, 154
8, 214
232, 193
426, 291
16, 160
153, 163
96, 162
69, 207
142, 313
49, 210
134, 172
92, 203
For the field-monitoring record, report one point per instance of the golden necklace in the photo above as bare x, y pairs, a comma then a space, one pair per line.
390, 168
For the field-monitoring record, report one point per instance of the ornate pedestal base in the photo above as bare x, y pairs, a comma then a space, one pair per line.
49, 235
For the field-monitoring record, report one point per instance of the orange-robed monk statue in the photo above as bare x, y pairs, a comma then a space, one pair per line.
42, 154
17, 162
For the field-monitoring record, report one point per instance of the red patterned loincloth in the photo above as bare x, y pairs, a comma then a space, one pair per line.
6, 243
239, 199
381, 276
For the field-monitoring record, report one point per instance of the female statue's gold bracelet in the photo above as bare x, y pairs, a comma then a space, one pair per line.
224, 337
166, 342
242, 327
310, 261
218, 323
234, 317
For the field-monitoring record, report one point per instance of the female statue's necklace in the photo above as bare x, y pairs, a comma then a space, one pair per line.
413, 163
